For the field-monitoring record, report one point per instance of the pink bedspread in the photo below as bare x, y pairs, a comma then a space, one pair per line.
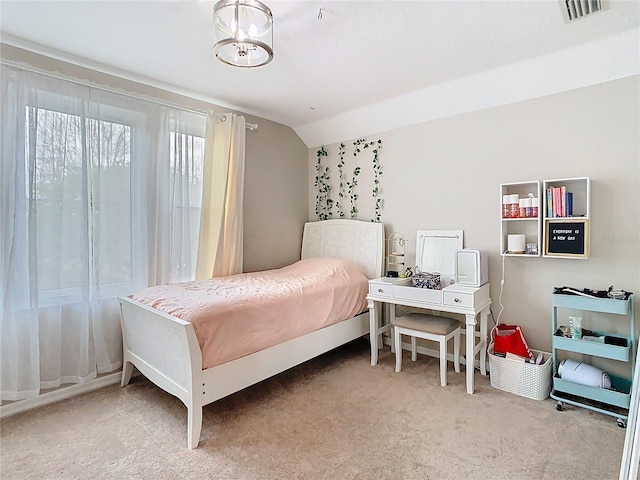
242, 314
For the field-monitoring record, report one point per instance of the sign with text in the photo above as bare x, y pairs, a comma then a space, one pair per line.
567, 238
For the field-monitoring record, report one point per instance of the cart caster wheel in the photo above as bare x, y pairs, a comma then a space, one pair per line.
622, 423
559, 406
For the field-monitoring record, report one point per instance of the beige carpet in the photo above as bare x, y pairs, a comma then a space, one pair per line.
335, 417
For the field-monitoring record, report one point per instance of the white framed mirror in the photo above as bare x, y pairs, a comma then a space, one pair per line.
435, 252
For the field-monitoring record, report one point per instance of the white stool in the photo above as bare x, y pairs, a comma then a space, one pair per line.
429, 327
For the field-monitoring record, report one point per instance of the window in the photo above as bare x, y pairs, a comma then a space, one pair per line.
101, 197
79, 192
84, 217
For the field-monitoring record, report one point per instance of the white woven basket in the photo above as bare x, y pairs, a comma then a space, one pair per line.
524, 379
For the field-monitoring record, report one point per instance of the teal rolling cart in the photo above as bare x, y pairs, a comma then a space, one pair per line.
614, 401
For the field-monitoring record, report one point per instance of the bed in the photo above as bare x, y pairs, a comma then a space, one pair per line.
166, 349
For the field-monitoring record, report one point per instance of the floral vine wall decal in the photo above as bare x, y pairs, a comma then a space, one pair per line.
323, 197
353, 196
341, 190
360, 145
347, 187
377, 172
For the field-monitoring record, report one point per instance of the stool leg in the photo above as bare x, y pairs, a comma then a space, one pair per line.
456, 351
396, 333
443, 361
392, 339
414, 349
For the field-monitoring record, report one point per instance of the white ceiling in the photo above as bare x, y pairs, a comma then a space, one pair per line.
358, 55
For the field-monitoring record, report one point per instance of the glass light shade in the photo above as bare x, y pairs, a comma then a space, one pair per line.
243, 33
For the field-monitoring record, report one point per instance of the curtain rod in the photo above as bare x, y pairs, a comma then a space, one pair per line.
249, 126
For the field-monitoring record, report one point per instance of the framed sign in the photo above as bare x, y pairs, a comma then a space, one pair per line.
567, 237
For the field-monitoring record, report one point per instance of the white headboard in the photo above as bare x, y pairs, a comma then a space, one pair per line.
353, 240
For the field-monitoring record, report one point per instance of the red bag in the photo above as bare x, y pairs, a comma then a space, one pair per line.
509, 339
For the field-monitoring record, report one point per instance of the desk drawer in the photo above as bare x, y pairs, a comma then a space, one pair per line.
466, 297
418, 294
381, 289
458, 299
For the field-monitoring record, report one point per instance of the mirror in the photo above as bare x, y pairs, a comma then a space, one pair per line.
435, 252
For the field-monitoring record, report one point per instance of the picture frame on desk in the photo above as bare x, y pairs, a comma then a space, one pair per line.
566, 237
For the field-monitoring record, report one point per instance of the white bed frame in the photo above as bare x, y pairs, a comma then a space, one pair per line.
165, 349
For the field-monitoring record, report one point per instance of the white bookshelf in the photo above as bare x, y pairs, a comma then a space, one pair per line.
529, 226
566, 228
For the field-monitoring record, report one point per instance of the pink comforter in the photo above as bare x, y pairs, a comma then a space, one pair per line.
242, 314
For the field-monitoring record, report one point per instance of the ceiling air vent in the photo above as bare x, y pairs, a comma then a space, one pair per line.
576, 9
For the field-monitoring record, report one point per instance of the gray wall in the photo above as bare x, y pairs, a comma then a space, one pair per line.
275, 197
446, 174
276, 191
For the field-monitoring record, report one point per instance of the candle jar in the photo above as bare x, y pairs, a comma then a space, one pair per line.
527, 206
514, 206
506, 208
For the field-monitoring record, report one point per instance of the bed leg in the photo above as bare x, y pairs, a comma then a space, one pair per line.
127, 370
194, 426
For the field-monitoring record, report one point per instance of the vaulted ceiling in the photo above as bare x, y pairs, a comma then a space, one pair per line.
338, 63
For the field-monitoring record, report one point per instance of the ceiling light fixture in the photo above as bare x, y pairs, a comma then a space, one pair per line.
243, 33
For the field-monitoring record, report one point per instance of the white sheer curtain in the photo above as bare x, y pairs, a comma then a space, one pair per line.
92, 206
221, 244
175, 197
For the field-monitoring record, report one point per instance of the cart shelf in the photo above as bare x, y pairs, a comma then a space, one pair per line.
614, 352
610, 401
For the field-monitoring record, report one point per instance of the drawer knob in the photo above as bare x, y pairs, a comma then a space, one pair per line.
457, 300
380, 290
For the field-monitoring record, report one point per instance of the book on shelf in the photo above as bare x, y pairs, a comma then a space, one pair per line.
559, 202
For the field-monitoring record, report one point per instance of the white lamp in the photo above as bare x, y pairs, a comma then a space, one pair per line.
243, 33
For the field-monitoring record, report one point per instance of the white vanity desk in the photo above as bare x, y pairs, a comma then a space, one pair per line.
469, 301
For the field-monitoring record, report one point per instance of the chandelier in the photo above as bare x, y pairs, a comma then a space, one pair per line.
243, 33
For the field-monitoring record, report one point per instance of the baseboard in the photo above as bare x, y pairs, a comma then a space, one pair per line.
61, 394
